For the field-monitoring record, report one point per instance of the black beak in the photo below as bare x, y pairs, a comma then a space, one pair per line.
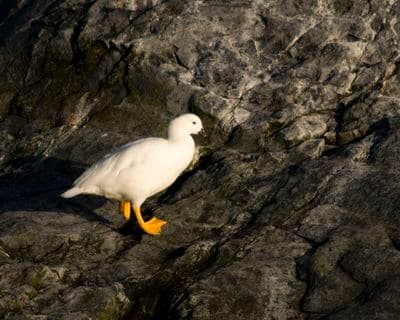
203, 133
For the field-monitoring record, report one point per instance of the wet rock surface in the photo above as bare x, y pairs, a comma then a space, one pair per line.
290, 210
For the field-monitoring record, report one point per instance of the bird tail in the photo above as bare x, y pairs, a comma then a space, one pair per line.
72, 192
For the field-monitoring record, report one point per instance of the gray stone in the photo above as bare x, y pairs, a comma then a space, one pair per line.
290, 209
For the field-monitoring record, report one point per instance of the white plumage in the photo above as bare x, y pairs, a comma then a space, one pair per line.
142, 168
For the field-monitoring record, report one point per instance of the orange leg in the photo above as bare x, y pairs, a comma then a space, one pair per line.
125, 209
153, 226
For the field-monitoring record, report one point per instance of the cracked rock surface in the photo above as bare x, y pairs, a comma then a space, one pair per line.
291, 209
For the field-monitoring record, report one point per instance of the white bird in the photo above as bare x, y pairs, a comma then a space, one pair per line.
141, 169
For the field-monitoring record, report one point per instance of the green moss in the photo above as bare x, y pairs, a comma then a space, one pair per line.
148, 91
146, 101
92, 53
37, 281
62, 79
342, 6
271, 128
6, 98
30, 145
31, 294
114, 309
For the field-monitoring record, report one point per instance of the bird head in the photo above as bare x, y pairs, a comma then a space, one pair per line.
186, 124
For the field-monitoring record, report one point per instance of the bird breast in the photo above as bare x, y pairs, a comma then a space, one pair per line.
157, 170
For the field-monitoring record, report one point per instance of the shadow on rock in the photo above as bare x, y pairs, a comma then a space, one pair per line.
33, 184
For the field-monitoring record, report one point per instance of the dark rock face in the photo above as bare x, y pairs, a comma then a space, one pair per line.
291, 210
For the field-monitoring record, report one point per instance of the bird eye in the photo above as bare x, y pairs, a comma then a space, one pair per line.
194, 122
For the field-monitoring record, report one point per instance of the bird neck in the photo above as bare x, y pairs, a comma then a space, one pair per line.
176, 133
178, 137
